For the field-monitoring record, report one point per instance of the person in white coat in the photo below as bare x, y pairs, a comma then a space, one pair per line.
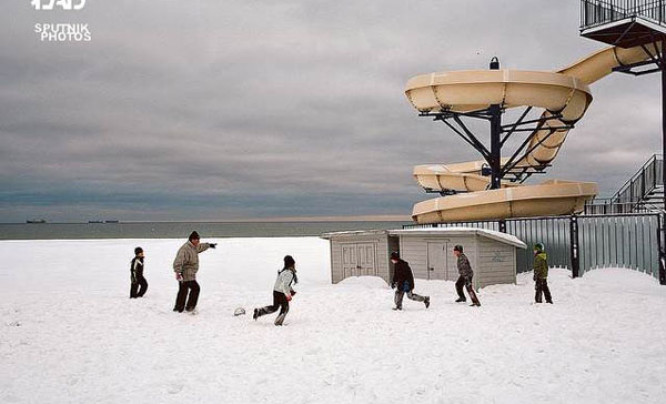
282, 292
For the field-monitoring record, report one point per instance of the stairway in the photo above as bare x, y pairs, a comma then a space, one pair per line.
644, 192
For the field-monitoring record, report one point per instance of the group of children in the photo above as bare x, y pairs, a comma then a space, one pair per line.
403, 278
186, 266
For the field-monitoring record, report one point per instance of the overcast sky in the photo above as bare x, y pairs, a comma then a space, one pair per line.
214, 110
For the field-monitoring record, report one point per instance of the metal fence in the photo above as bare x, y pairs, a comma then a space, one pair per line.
598, 12
584, 243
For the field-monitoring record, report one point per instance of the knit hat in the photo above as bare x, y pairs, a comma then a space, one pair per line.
194, 236
138, 250
395, 255
539, 247
458, 248
289, 261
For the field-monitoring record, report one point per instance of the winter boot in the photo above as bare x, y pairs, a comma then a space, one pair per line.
461, 300
477, 304
280, 319
426, 301
255, 316
396, 308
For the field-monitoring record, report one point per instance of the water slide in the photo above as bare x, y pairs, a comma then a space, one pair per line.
564, 94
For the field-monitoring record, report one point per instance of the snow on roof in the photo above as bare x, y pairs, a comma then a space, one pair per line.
491, 234
328, 236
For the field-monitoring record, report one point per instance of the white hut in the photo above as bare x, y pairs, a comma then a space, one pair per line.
429, 252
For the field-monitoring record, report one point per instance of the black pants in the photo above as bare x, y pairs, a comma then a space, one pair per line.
279, 302
183, 288
541, 286
138, 288
467, 282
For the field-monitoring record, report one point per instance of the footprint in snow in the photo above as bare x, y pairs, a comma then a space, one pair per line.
175, 388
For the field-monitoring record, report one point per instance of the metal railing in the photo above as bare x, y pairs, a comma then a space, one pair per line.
643, 182
628, 241
636, 194
598, 12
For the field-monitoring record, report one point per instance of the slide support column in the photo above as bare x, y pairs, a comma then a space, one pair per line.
495, 135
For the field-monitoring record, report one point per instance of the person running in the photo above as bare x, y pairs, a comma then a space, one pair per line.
465, 278
403, 282
186, 266
282, 292
139, 285
541, 274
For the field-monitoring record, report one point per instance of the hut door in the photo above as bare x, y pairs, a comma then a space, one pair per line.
348, 260
358, 259
451, 264
437, 260
365, 259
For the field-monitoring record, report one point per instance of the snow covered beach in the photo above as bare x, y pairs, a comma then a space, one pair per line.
69, 332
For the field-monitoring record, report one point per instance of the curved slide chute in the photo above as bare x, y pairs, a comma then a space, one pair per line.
564, 96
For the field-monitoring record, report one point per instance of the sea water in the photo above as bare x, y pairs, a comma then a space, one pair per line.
75, 231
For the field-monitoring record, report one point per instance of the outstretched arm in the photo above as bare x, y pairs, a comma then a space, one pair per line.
204, 246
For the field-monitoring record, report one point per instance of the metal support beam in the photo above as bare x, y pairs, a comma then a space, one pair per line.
573, 235
661, 235
663, 110
495, 138
512, 128
661, 242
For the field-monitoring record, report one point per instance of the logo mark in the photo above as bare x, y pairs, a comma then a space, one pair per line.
67, 5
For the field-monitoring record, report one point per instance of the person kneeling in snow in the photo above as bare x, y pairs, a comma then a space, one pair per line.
282, 292
541, 274
403, 280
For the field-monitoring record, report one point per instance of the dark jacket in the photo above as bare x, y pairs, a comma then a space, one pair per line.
464, 267
540, 266
403, 278
136, 269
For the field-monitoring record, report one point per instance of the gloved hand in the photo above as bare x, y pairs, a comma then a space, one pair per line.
293, 293
288, 297
212, 245
179, 277
393, 285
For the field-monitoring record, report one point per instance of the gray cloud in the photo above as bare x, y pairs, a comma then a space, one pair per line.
213, 110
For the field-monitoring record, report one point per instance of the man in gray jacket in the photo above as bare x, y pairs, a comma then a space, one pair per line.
186, 266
